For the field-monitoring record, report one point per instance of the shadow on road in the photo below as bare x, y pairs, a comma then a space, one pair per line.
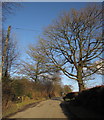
74, 112
68, 113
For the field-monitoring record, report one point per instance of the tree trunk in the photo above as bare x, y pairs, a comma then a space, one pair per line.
79, 79
81, 85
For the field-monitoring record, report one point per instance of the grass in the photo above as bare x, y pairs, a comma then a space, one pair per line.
17, 106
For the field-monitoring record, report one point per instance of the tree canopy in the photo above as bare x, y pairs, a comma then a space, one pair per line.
74, 42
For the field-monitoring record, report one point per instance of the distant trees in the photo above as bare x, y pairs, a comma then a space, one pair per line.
74, 41
39, 67
67, 89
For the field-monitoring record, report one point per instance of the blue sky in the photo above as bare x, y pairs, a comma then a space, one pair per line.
36, 16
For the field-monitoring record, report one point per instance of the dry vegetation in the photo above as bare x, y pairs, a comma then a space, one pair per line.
19, 92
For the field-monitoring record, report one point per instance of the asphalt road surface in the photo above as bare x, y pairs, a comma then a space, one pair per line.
45, 109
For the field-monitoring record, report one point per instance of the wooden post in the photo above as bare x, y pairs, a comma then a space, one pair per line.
4, 53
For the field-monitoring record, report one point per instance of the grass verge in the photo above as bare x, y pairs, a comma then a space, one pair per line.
16, 107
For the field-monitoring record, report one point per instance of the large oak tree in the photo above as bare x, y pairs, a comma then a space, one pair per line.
74, 42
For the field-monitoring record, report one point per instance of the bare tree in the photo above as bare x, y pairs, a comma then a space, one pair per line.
74, 41
8, 9
39, 66
9, 55
9, 63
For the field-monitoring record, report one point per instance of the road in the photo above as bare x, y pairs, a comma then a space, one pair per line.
45, 109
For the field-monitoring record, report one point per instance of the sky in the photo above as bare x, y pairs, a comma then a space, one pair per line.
35, 16
29, 20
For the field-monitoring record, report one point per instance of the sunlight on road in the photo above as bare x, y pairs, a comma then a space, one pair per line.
45, 109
